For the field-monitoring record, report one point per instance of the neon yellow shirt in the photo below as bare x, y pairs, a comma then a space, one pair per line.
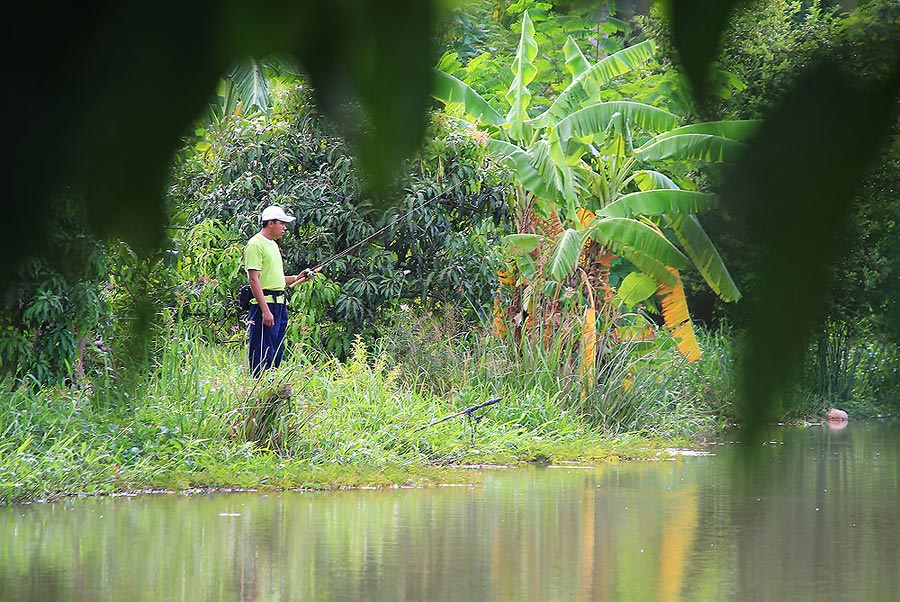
264, 255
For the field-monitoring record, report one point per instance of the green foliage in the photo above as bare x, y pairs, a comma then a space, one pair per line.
582, 152
207, 277
767, 45
868, 38
54, 315
651, 390
802, 66
866, 280
867, 264
143, 293
642, 388
434, 244
850, 247
88, 145
764, 46
470, 27
195, 420
577, 171
851, 366
314, 422
635, 288
247, 89
483, 37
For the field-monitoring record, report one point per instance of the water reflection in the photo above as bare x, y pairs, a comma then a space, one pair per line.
816, 517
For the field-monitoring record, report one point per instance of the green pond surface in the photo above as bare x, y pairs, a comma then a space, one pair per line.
815, 515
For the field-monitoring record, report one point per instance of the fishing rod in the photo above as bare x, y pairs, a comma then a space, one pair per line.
350, 249
469, 412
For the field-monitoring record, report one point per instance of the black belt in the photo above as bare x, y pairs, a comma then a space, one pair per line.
272, 297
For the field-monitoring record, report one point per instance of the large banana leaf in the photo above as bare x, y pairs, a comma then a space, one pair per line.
640, 244
594, 119
690, 147
636, 288
659, 202
733, 130
565, 255
524, 70
588, 369
521, 243
250, 84
704, 255
544, 185
449, 89
562, 165
693, 238
559, 176
527, 266
673, 304
648, 179
594, 184
584, 87
282, 64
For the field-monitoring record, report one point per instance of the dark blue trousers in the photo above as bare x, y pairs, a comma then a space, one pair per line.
266, 343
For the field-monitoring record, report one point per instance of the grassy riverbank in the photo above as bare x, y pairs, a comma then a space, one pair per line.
197, 420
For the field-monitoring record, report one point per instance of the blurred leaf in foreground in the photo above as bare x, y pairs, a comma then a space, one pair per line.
102, 104
794, 185
697, 28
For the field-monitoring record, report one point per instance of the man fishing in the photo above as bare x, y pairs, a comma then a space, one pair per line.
268, 308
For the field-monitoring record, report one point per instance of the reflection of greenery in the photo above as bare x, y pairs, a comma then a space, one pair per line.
817, 512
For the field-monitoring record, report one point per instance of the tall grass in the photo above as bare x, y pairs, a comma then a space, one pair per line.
849, 365
639, 388
648, 388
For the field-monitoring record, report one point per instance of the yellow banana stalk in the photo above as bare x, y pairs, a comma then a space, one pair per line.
500, 328
676, 315
588, 340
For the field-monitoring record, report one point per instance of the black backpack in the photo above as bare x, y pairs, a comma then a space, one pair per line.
243, 297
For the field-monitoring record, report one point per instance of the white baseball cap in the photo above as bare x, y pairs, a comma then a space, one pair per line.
275, 212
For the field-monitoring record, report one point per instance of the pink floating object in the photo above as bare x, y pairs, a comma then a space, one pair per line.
837, 415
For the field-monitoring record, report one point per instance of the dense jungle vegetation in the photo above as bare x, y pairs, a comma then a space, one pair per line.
559, 241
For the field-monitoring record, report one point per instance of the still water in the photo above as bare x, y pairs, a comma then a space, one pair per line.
817, 517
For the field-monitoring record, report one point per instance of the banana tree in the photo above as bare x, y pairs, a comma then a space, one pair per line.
247, 85
632, 223
585, 193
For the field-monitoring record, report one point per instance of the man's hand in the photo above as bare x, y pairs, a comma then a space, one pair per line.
268, 318
303, 276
